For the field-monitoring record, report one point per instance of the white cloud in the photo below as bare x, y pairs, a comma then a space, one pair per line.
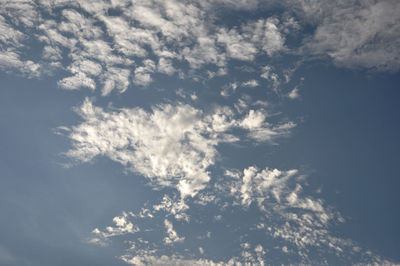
10, 36
52, 53
271, 76
260, 130
10, 59
142, 73
167, 145
21, 12
254, 119
122, 226
174, 207
304, 220
78, 25
250, 83
266, 35
201, 250
355, 34
173, 261
77, 81
299, 222
172, 146
352, 34
229, 89
130, 40
85, 66
294, 94
115, 78
204, 52
165, 66
236, 46
173, 236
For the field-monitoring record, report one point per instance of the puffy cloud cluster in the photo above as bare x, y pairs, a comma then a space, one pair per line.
173, 145
113, 44
122, 226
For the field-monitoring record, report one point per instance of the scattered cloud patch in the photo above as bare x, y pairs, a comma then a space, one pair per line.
250, 83
172, 146
294, 94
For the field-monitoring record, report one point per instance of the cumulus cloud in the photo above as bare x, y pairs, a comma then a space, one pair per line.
172, 234
122, 226
236, 46
165, 66
294, 94
172, 146
272, 77
352, 34
10, 60
250, 83
266, 34
174, 207
77, 81
143, 73
170, 31
115, 78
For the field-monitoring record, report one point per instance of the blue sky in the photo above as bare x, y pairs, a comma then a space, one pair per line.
232, 132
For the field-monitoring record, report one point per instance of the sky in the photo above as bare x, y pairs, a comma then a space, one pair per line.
199, 132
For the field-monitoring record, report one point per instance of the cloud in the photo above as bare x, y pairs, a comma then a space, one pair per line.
115, 78
142, 73
236, 46
22, 13
229, 89
261, 185
291, 219
10, 36
171, 33
172, 234
11, 60
290, 215
122, 227
167, 146
260, 130
271, 76
254, 119
174, 33
77, 81
173, 145
266, 34
174, 207
294, 94
165, 66
261, 35
355, 34
250, 83
172, 261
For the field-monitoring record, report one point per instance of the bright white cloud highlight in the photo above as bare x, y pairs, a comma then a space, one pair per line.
173, 145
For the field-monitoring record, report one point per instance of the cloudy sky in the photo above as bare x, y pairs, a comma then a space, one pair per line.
199, 132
